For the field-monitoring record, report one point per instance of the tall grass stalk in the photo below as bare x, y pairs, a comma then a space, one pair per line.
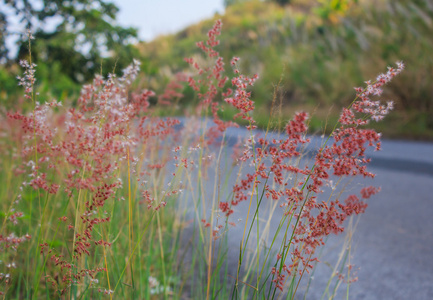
198, 216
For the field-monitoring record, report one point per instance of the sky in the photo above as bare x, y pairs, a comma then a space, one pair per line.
153, 18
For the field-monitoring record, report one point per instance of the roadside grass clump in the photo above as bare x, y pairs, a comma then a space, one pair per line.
104, 199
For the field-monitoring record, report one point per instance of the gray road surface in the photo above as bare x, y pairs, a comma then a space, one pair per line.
393, 243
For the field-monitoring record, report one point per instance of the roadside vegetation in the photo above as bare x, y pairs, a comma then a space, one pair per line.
314, 50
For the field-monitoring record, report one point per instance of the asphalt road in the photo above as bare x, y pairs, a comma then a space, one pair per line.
392, 247
393, 242
394, 239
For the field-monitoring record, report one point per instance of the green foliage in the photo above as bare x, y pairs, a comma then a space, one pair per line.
85, 41
331, 9
319, 48
8, 84
282, 2
232, 2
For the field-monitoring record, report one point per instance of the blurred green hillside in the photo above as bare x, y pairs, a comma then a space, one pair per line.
309, 56
318, 51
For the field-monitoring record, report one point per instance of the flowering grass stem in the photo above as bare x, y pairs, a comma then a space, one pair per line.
187, 190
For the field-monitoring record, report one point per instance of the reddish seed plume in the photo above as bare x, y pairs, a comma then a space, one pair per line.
93, 140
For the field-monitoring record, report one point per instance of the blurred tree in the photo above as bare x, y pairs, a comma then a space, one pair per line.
3, 50
80, 35
282, 2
